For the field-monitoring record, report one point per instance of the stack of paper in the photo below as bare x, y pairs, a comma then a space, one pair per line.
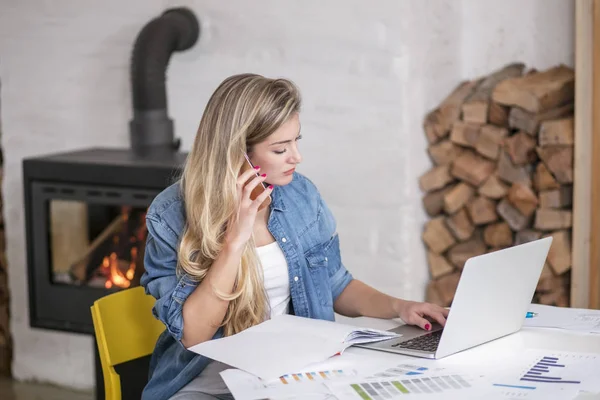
535, 375
286, 344
532, 375
367, 335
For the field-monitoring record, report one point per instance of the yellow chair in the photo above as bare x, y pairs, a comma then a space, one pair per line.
125, 330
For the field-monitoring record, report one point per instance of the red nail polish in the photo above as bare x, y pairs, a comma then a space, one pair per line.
263, 175
257, 167
270, 186
427, 327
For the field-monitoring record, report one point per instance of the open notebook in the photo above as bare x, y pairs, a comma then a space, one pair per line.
286, 344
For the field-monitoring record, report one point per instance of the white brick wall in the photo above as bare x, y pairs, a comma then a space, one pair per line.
368, 72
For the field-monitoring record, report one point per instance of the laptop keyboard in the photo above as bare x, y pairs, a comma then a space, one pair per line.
427, 342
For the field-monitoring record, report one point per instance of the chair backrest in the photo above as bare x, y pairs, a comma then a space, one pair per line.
125, 330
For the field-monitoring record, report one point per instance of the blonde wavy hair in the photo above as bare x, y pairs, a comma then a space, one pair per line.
243, 111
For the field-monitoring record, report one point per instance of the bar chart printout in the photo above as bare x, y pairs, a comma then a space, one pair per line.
400, 387
558, 371
548, 370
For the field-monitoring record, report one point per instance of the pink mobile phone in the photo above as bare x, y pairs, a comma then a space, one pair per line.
259, 188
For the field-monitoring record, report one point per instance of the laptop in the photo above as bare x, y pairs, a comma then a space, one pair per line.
492, 298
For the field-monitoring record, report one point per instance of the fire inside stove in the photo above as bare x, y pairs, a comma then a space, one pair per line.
97, 245
117, 268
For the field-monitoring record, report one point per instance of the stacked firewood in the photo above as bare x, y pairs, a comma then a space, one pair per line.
502, 149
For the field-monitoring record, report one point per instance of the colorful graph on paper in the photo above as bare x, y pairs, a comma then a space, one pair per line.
245, 386
405, 369
548, 370
313, 376
398, 388
559, 371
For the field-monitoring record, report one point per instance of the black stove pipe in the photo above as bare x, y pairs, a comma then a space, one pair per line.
151, 129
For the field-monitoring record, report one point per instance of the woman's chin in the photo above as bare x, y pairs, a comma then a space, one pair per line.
281, 181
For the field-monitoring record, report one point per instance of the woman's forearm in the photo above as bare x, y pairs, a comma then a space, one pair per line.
203, 311
359, 299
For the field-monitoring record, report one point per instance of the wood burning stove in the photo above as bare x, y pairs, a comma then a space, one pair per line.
85, 210
86, 232
85, 228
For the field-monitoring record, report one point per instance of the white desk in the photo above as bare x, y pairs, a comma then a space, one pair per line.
527, 338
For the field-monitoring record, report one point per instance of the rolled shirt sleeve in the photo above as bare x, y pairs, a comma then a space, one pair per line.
161, 279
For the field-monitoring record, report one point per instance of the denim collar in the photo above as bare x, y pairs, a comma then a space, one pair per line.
277, 202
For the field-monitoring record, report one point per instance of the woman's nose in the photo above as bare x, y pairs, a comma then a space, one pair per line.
296, 157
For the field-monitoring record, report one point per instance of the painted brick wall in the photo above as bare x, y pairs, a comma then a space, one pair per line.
368, 72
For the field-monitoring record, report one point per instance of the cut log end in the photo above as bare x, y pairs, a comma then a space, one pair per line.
472, 168
437, 236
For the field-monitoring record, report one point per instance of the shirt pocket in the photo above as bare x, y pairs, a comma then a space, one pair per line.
317, 261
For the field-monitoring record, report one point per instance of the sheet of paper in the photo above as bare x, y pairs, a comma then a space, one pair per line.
543, 369
588, 320
285, 344
269, 355
577, 319
245, 386
330, 330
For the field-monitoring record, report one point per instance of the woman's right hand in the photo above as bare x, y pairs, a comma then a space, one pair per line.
240, 229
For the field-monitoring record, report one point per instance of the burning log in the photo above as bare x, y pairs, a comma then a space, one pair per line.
115, 256
79, 269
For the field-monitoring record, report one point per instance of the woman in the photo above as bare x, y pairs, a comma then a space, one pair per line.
217, 264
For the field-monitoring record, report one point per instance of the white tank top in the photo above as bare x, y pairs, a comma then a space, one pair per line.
276, 278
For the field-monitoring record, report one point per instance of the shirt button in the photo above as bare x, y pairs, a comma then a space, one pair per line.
295, 279
283, 240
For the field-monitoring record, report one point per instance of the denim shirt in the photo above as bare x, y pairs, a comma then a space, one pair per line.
304, 228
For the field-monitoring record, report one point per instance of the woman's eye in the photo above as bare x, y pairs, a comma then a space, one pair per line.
284, 150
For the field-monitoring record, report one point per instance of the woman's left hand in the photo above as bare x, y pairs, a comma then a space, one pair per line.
414, 313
